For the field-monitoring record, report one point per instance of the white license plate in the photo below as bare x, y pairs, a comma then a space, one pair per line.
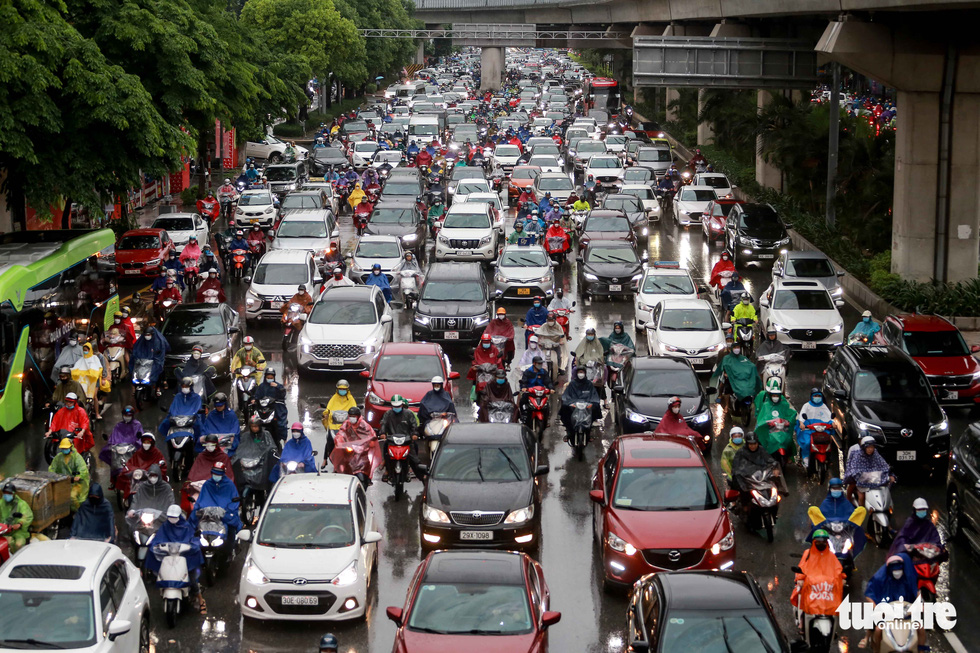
452, 335
719, 243
464, 252
335, 362
951, 394
476, 535
277, 305
767, 256
809, 345
614, 287
696, 361
301, 600
132, 271
905, 455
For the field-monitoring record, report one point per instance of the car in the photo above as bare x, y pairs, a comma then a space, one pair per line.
523, 272
616, 143
286, 177
406, 369
256, 207
634, 210
521, 178
657, 158
181, 226
344, 330
603, 224
702, 611
467, 234
217, 328
142, 252
608, 268
275, 278
385, 251
639, 174
90, 589
690, 203
803, 314
639, 486
546, 162
462, 173
647, 198
608, 171
556, 183
662, 280
362, 153
963, 489
716, 180
325, 159
547, 147
401, 186
688, 329
810, 265
454, 303
399, 217
939, 349
755, 233
642, 396
271, 149
303, 200
496, 207
453, 593
313, 230
506, 155
391, 158
482, 489
313, 552
713, 220
469, 186
878, 390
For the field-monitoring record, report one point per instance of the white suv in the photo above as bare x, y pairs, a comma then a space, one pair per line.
663, 280
345, 329
688, 329
803, 314
275, 279
467, 234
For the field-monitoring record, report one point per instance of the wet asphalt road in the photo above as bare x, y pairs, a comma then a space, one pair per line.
592, 620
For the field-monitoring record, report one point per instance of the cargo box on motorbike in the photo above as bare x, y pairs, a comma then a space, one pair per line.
47, 494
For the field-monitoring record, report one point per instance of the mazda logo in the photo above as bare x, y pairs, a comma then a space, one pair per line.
451, 323
299, 581
809, 332
674, 555
906, 433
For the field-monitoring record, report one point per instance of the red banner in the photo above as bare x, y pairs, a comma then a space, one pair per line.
224, 144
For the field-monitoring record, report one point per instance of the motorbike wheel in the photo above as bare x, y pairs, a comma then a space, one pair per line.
176, 464
399, 486
50, 450
210, 571
537, 428
768, 524
821, 472
928, 596
171, 609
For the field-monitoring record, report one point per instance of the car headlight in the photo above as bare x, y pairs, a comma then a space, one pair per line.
637, 277
724, 544
422, 319
304, 339
939, 430
717, 347
545, 279
480, 320
347, 577
254, 575
591, 277
375, 399
484, 241
501, 278
784, 241
443, 241
635, 417
669, 347
779, 327
369, 345
520, 516
836, 328
702, 417
155, 261
270, 209
618, 544
868, 429
408, 238
434, 515
218, 355
837, 292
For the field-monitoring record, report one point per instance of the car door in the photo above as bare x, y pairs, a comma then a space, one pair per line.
112, 604
365, 524
765, 306
604, 481
730, 231
201, 231
384, 316
653, 335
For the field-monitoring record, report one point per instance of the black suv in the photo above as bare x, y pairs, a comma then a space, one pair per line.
755, 232
400, 216
482, 491
454, 304
285, 177
963, 488
881, 392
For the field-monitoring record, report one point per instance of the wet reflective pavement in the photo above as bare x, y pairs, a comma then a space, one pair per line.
591, 619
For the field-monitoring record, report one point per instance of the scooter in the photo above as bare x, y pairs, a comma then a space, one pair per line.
147, 524
292, 323
239, 263
191, 271
774, 367
561, 317
500, 412
927, 557
878, 503
115, 354
180, 444
581, 428
410, 288
900, 635
558, 247
173, 578
5, 529
254, 492
745, 335
162, 309
779, 431
245, 387
817, 629
435, 428
215, 544
535, 416
821, 436
764, 501
396, 461
265, 408
618, 355
121, 453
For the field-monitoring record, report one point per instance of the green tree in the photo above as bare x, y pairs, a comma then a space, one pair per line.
733, 115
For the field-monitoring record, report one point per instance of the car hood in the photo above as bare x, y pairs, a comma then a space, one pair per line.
413, 391
411, 641
507, 160
388, 229
341, 333
667, 529
311, 564
451, 309
277, 293
606, 235
806, 319
182, 345
523, 274
765, 232
655, 407
464, 233
605, 172
488, 497
635, 216
308, 244
692, 206
622, 271
367, 264
898, 414
137, 255
690, 339
947, 365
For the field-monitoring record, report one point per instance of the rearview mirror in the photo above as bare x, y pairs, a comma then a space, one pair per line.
597, 496
838, 303
974, 349
244, 535
550, 618
366, 374
541, 470
764, 302
840, 394
554, 264
371, 537
386, 319
710, 391
453, 376
247, 279
395, 614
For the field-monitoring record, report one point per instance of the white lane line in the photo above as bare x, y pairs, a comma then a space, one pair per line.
955, 642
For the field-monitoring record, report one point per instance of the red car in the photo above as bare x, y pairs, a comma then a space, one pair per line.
656, 508
714, 216
406, 369
486, 601
521, 179
142, 252
939, 349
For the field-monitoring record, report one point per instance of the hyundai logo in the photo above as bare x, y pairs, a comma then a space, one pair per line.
299, 581
674, 555
451, 322
906, 433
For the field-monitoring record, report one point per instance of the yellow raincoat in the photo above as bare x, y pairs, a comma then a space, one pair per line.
355, 196
88, 371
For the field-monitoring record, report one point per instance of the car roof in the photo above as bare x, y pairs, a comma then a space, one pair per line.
648, 450
63, 557
149, 231
416, 348
552, 175
693, 187
312, 488
622, 196
378, 238
257, 191
196, 307
711, 174
917, 322
467, 207
477, 567
176, 214
686, 303
364, 293
395, 202
796, 284
607, 213
306, 215
286, 256
454, 269
875, 355
474, 433
709, 590
807, 254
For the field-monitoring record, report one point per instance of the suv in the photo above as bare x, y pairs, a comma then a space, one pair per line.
803, 314
937, 346
881, 392
467, 234
345, 329
810, 265
285, 177
755, 232
275, 279
963, 489
313, 230
454, 304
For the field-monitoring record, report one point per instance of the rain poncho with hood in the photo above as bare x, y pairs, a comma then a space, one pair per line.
201, 368
550, 334
589, 351
298, 450
20, 537
67, 358
71, 466
365, 456
94, 521
434, 402
773, 439
718, 273
183, 404
201, 469
221, 423
485, 356
154, 349
823, 582
355, 195
527, 358
381, 281
885, 588
743, 377
579, 390
915, 530
337, 403
183, 533
251, 448
88, 371
810, 414
219, 494
671, 424
492, 392
836, 508
151, 496
748, 462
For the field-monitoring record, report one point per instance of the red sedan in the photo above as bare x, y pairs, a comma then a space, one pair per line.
406, 369
656, 508
486, 601
142, 252
714, 216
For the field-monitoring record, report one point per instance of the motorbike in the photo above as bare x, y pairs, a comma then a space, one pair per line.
211, 296
817, 629
745, 335
927, 557
147, 524
362, 214
239, 263
143, 389
226, 206
180, 444
410, 288
500, 412
484, 373
216, 546
579, 218
878, 503
191, 271
245, 387
763, 501
254, 493
618, 355
265, 408
536, 413
779, 431
558, 247
173, 578
396, 461
581, 428
435, 429
900, 635
561, 317
292, 323
54, 439
774, 366
821, 436
121, 453
115, 354
162, 309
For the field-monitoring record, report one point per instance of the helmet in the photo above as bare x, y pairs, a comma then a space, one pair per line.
745, 297
328, 641
815, 391
398, 400
218, 468
820, 534
537, 359
296, 426
270, 371
173, 510
770, 331
774, 386
836, 482
920, 504
736, 430
65, 370
64, 444
376, 266
500, 374
486, 338
438, 380
751, 438
255, 420
343, 383
9, 487
211, 438
71, 396
198, 348
128, 410
868, 440
501, 311
227, 180
866, 314
354, 412
186, 382
674, 400
194, 238
220, 398
249, 340
152, 438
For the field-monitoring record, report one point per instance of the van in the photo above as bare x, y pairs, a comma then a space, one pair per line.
424, 127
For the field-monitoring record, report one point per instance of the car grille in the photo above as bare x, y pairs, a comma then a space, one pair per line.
254, 214
326, 601
893, 436
608, 180
476, 518
695, 217
337, 351
673, 559
695, 352
943, 381
808, 334
451, 323
130, 266
457, 243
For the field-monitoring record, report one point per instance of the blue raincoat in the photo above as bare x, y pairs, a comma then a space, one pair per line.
154, 349
189, 404
183, 533
381, 281
222, 495
220, 423
884, 588
299, 450
866, 328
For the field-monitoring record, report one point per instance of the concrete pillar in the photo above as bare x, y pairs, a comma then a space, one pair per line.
706, 130
766, 174
420, 54
673, 95
492, 68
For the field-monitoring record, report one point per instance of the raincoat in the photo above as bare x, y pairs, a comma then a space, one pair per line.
550, 334
493, 392
355, 196
717, 279
773, 439
810, 414
122, 433
822, 588
253, 359
182, 532
884, 588
579, 390
201, 469
141, 459
94, 521
67, 358
743, 377
365, 456
154, 349
261, 448
728, 456
69, 420
617, 339
836, 508
299, 450
220, 495
432, 403
211, 285
381, 281
747, 462
71, 467
189, 404
337, 403
16, 539
221, 423
156, 496
868, 329
201, 368
527, 358
536, 315
61, 391
484, 356
278, 394
915, 531
671, 424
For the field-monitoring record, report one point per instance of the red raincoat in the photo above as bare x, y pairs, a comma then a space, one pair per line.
69, 420
721, 266
365, 453
484, 356
504, 327
671, 424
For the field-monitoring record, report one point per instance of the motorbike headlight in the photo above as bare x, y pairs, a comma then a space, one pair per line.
702, 417
635, 417
520, 516
422, 319
591, 277
434, 515
618, 544
409, 238
218, 541
724, 544
837, 327
254, 575
204, 541
146, 519
347, 577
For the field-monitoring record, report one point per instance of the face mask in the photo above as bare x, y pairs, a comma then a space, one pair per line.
737, 441
897, 573
397, 410
196, 355
774, 399
736, 351
117, 321
173, 520
352, 420
617, 331
551, 320
216, 478
149, 337
866, 320
8, 498
186, 391
94, 500
501, 317
72, 343
147, 446
821, 545
66, 452
590, 338
127, 419
816, 401
486, 345
153, 479
436, 388
342, 393
675, 409
296, 434
537, 304
209, 447
64, 379
248, 347
921, 514
581, 375
837, 494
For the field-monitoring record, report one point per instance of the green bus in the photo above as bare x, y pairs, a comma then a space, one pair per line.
51, 283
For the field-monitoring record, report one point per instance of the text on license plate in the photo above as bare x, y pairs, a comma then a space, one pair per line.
696, 361
523, 291
253, 220
300, 600
277, 305
951, 394
476, 535
132, 271
615, 287
335, 362
767, 256
809, 345
452, 335
905, 455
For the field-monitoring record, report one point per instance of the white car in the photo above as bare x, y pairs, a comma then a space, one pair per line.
497, 208
371, 249
647, 198
690, 202
271, 149
345, 329
255, 207
663, 280
312, 552
73, 595
803, 314
547, 163
608, 171
506, 156
616, 143
276, 278
716, 180
688, 329
362, 153
313, 230
467, 234
470, 186
391, 157
181, 226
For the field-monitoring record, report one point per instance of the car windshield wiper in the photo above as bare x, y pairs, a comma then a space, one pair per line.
724, 636
762, 639
479, 463
510, 463
434, 631
675, 286
30, 641
529, 262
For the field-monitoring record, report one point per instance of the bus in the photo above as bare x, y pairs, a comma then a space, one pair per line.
605, 95
51, 283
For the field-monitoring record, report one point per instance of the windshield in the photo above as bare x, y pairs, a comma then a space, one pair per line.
640, 193
612, 255
388, 157
590, 147
471, 609
664, 488
401, 217
934, 343
329, 154
524, 173
664, 383
408, 367
616, 140
605, 162
481, 463
720, 632
663, 284
302, 229
399, 187
307, 526
174, 224
466, 221
377, 249
549, 149
507, 150
300, 202
193, 323
689, 195
343, 311
424, 130
468, 172
257, 199
810, 267
688, 319
366, 147
637, 174
544, 161
714, 182
352, 126
472, 186
611, 223
282, 274
630, 205
653, 155
890, 384
59, 619
140, 242
766, 221
524, 258
555, 183
802, 300
452, 291
286, 173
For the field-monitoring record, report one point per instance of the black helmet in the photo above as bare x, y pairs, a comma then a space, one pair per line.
128, 410
270, 371
751, 438
354, 412
220, 398
211, 438
9, 487
328, 641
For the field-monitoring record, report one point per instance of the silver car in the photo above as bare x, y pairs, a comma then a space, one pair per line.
523, 272
813, 266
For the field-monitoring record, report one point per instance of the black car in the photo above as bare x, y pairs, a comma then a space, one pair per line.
755, 232
644, 389
609, 267
963, 489
325, 159
881, 392
603, 224
702, 611
454, 304
482, 491
401, 186
216, 327
400, 216
633, 208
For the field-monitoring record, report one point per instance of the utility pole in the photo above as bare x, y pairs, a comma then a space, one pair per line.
832, 146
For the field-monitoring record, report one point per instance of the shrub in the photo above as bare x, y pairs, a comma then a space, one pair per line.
371, 89
188, 196
288, 130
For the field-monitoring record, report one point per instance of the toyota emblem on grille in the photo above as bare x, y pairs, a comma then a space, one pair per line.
477, 514
906, 433
299, 581
809, 332
451, 322
674, 555
615, 280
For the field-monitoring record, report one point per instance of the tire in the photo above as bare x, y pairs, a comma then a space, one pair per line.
275, 157
399, 487
769, 526
144, 645
927, 595
119, 501
138, 397
953, 517
170, 609
821, 472
210, 571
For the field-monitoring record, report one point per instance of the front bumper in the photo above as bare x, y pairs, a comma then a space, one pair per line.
524, 536
624, 570
310, 359
622, 288
262, 310
522, 289
264, 602
649, 425
446, 253
422, 333
703, 363
795, 342
687, 219
266, 221
949, 392
124, 271
760, 254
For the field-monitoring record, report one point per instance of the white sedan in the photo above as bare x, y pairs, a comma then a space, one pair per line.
181, 226
688, 329
690, 203
716, 180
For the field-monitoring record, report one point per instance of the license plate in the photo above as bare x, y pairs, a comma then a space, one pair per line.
696, 361
809, 345
335, 362
615, 287
131, 271
767, 256
951, 394
476, 535
277, 305
719, 243
464, 252
905, 455
301, 600
523, 291
452, 335
253, 220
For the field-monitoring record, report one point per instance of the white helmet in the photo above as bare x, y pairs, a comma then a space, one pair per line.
439, 380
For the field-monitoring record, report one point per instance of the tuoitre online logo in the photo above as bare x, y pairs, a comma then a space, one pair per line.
900, 614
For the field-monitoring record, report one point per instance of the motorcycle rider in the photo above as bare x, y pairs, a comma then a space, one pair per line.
68, 356
536, 316
718, 277
861, 459
341, 401
329, 644
155, 494
399, 421
836, 506
581, 204
297, 449
226, 195
770, 346
485, 354
436, 401
819, 586
302, 297
93, 519
178, 530
211, 456
917, 529
151, 346
249, 355
256, 443
145, 456
336, 280
896, 580
185, 402
175, 269
219, 492
379, 279
552, 336
191, 252
589, 350
220, 421
579, 389
200, 367
496, 390
736, 439
239, 243
748, 460
210, 287
673, 423
741, 378
126, 431
72, 417
559, 302
745, 309
771, 410
271, 388
867, 328
65, 386
813, 411
731, 292
517, 234
501, 326
170, 292
357, 451
697, 160
256, 241
11, 505
70, 463
209, 263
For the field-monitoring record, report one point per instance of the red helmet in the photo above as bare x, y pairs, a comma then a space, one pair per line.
485, 338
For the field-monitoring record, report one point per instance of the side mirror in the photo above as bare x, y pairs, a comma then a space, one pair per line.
244, 535
726, 325
247, 279
640, 646
366, 374
386, 319
710, 391
234, 329
573, 304
838, 303
395, 614
597, 496
764, 302
541, 470
453, 376
554, 264
120, 627
841, 273
424, 468
788, 225
550, 618
371, 537
974, 349
840, 394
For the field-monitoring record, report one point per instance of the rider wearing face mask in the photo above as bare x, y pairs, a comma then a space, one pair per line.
579, 389
223, 422
277, 392
219, 491
297, 448
501, 326
185, 402
70, 354
126, 431
94, 520
64, 386
199, 366
485, 354
400, 420
151, 345
10, 505
341, 402
673, 422
249, 355
357, 451
736, 438
867, 328
497, 389
177, 529
146, 456
836, 506
437, 400
154, 494
736, 376
536, 316
379, 279
820, 583
211, 456
559, 301
918, 529
894, 581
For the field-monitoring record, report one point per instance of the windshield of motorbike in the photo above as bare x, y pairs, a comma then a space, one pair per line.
301, 202
140, 242
607, 223
667, 284
934, 343
664, 488
255, 199
664, 383
307, 526
689, 195
174, 224
279, 274
802, 300
407, 368
892, 383
555, 183
605, 162
688, 319
285, 173
348, 311
452, 291
400, 217
466, 221
653, 155
524, 258
55, 619
637, 175
377, 249
471, 609
479, 463
612, 255
193, 323
720, 631
644, 193
631, 205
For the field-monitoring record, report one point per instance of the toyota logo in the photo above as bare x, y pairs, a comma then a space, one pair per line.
674, 555
906, 433
809, 332
299, 581
451, 322
615, 280
477, 514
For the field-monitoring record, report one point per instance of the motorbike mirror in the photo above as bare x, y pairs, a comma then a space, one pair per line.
796, 569
395, 304
730, 495
395, 614
371, 537
541, 470
841, 273
244, 535
118, 628
597, 496
573, 304
453, 376
247, 279
366, 374
840, 394
315, 453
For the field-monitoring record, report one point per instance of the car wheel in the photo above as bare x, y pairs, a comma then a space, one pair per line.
953, 517
275, 157
144, 646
